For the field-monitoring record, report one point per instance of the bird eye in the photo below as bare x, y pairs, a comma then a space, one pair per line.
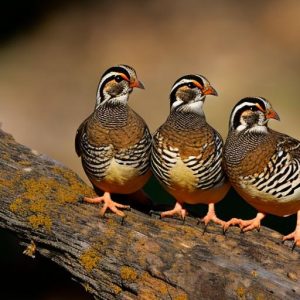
190, 85
118, 78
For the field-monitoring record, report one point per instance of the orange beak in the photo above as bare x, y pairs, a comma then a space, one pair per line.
209, 90
136, 84
272, 114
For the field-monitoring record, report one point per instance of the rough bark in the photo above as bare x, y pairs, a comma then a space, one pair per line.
144, 258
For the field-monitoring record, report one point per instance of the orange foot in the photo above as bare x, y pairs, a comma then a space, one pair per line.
245, 225
211, 216
177, 210
108, 203
294, 235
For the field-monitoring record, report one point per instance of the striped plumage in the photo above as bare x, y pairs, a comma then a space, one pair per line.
263, 165
114, 142
187, 152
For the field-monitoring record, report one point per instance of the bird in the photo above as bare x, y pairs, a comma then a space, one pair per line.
114, 142
186, 155
263, 165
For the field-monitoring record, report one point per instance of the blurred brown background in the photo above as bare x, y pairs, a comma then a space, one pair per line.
49, 71
52, 55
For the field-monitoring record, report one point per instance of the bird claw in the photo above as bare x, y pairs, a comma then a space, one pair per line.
249, 225
81, 199
154, 212
108, 203
177, 210
210, 217
231, 222
123, 220
295, 236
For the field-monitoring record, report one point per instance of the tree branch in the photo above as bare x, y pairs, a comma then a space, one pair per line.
145, 258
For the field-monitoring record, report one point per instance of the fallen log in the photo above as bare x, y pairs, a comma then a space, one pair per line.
143, 257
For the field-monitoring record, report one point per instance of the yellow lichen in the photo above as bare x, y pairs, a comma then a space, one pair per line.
116, 289
74, 188
147, 295
89, 259
16, 205
25, 163
240, 291
37, 188
254, 273
160, 286
39, 205
181, 297
40, 220
6, 183
87, 287
128, 273
30, 250
260, 296
154, 288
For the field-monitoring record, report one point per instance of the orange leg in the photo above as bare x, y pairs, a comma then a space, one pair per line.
245, 225
296, 234
211, 216
177, 210
108, 203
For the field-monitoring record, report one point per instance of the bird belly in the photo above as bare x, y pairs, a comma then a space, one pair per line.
122, 179
182, 177
267, 203
183, 186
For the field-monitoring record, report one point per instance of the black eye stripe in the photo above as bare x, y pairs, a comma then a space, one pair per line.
237, 116
101, 88
173, 93
191, 85
117, 70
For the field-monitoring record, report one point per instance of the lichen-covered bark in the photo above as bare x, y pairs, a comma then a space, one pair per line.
145, 258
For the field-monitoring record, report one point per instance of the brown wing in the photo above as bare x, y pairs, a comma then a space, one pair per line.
78, 137
288, 144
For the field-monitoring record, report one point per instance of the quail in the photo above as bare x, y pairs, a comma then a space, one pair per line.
186, 154
263, 165
114, 142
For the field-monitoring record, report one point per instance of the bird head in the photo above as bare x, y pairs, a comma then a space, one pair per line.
252, 113
116, 83
189, 92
